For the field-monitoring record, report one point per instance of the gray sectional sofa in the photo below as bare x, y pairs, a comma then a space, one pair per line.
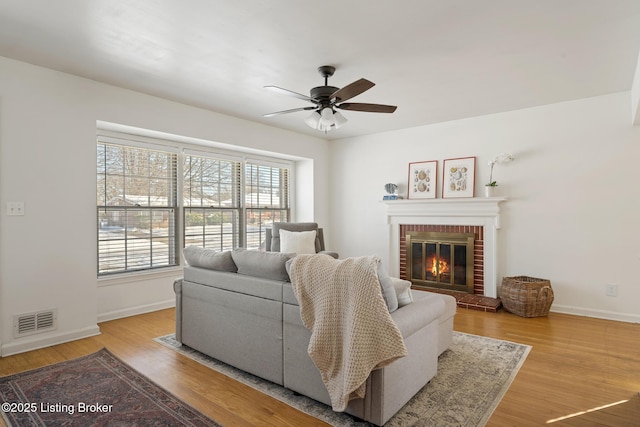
239, 307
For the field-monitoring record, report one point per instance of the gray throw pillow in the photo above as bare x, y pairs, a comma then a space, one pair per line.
270, 265
388, 290
198, 256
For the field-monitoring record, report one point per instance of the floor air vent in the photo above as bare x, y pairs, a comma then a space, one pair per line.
34, 323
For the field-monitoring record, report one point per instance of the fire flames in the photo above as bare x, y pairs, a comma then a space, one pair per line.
438, 266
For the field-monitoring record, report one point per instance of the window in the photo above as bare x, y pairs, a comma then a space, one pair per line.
222, 200
137, 207
211, 193
266, 199
222, 214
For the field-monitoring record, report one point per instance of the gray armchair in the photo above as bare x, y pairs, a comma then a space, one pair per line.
272, 236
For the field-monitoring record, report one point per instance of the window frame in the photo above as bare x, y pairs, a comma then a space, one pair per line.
282, 213
212, 206
125, 218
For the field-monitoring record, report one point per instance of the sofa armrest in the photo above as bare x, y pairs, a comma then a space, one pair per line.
413, 317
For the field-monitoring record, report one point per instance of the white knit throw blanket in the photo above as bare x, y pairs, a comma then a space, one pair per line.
352, 332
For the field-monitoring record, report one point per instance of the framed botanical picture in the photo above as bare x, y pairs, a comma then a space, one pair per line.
423, 177
458, 177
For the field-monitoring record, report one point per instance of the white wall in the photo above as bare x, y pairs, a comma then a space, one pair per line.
47, 160
572, 213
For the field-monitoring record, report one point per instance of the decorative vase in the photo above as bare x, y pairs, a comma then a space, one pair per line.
488, 190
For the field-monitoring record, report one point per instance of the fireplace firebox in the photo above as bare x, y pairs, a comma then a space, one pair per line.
440, 260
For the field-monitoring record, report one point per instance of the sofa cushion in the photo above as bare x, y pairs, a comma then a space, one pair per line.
197, 256
298, 242
388, 290
403, 291
234, 282
270, 265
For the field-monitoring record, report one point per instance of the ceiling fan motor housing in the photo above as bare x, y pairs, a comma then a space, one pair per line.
322, 94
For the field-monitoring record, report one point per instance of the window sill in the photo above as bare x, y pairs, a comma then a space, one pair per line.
140, 276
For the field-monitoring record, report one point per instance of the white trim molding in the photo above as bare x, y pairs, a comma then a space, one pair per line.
599, 314
477, 211
46, 340
134, 311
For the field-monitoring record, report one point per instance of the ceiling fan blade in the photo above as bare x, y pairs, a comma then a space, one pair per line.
278, 113
289, 93
353, 89
370, 108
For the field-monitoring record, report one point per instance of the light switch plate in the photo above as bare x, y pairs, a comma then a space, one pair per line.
15, 208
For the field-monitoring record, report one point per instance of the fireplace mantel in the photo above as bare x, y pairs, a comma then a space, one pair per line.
480, 211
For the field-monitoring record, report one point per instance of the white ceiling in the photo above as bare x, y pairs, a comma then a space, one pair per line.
437, 60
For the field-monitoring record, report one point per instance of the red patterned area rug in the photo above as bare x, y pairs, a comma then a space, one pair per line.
94, 390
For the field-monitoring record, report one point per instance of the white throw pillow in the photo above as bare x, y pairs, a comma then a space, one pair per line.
298, 242
403, 291
388, 290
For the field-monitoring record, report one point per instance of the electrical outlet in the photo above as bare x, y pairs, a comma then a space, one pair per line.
15, 208
611, 290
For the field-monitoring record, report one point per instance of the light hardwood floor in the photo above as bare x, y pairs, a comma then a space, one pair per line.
580, 372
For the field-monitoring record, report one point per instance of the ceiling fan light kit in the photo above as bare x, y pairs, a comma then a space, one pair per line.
327, 99
313, 120
339, 119
325, 120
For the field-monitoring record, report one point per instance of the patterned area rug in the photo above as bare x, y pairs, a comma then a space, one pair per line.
98, 389
473, 376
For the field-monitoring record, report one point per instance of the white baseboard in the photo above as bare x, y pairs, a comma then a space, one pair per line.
132, 311
47, 340
599, 314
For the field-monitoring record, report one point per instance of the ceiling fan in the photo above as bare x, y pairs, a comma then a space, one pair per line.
327, 99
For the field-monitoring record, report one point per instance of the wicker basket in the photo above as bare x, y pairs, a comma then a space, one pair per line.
526, 296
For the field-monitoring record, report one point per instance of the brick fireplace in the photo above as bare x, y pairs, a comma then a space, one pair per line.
480, 216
